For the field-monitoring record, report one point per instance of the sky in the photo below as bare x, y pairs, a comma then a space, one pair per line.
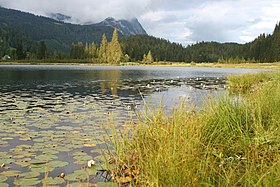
180, 21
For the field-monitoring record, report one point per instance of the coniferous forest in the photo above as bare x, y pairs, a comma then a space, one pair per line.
55, 40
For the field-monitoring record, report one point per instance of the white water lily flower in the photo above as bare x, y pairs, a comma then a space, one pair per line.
90, 163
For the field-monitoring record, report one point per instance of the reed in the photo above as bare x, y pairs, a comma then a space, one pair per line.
228, 142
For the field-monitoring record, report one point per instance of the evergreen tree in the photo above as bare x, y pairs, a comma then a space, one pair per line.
114, 49
144, 58
87, 51
150, 58
77, 51
19, 52
42, 51
102, 52
92, 50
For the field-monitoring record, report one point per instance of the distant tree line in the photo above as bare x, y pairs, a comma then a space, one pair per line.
107, 52
147, 49
265, 48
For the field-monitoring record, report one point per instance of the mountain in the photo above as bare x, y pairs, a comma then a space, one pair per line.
59, 35
20, 33
60, 17
125, 27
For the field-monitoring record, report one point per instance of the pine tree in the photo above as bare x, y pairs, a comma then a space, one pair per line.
19, 52
114, 49
81, 50
42, 51
92, 50
102, 52
87, 51
77, 51
150, 58
144, 58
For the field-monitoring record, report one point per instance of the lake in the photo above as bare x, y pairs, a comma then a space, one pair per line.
53, 118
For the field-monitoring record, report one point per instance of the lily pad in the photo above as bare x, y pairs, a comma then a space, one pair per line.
77, 184
22, 163
3, 143
37, 162
52, 152
41, 168
78, 175
10, 173
26, 138
4, 185
7, 161
64, 149
27, 182
83, 158
53, 181
28, 175
46, 157
89, 145
19, 156
57, 164
7, 138
3, 178
64, 128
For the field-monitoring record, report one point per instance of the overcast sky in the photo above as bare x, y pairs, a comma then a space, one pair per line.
182, 21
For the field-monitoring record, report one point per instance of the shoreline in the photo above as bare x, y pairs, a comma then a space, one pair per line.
275, 65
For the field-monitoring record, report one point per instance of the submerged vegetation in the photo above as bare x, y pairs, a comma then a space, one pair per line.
232, 141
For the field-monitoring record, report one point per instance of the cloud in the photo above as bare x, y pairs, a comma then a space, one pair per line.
81, 10
217, 20
181, 21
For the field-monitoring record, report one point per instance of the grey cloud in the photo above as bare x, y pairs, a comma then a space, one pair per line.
183, 21
82, 10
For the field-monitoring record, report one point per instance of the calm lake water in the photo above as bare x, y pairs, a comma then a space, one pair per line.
53, 118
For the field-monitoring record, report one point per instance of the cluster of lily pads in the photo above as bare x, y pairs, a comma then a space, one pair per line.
49, 132
39, 143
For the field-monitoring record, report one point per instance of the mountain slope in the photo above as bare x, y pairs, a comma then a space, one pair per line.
60, 17
125, 27
59, 35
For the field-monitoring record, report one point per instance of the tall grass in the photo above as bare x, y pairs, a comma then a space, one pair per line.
226, 143
250, 82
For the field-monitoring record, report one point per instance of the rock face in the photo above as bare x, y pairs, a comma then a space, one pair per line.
60, 17
125, 27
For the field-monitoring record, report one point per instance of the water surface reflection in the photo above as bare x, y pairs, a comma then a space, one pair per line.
53, 117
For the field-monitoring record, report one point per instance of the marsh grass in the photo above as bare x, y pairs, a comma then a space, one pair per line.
250, 82
226, 143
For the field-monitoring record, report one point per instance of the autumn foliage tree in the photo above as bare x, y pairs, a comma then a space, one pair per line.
148, 59
102, 51
114, 52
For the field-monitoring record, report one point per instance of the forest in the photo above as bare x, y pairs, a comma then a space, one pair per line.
57, 40
265, 48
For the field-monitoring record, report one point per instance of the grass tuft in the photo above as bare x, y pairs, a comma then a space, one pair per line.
228, 142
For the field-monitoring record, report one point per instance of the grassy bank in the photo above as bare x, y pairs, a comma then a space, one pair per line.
229, 142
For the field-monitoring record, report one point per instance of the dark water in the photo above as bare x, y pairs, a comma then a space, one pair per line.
52, 118
122, 82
